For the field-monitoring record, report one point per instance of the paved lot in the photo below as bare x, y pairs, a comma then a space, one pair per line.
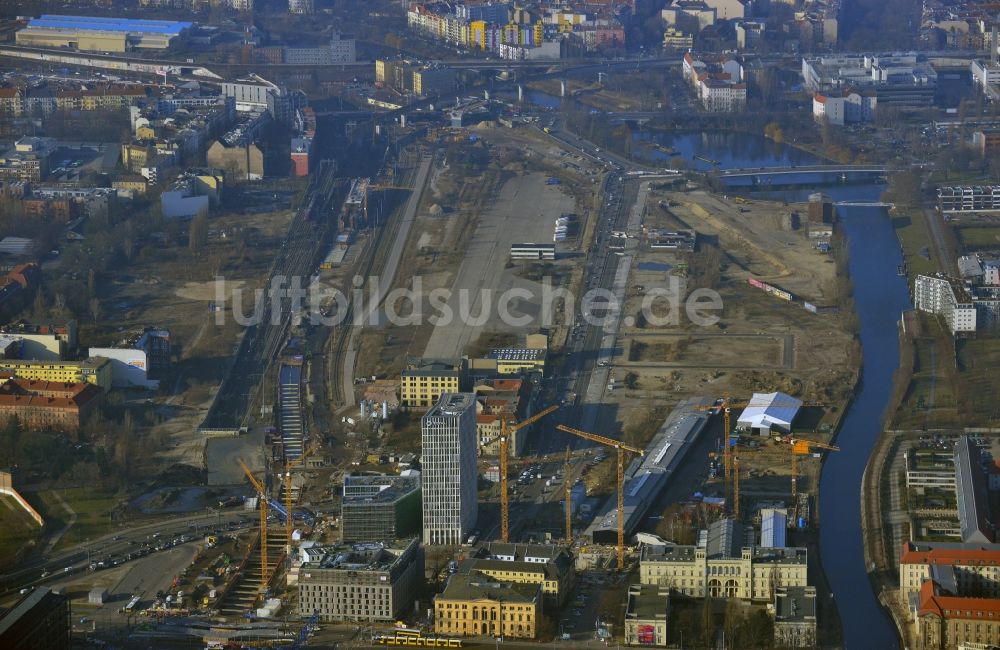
525, 211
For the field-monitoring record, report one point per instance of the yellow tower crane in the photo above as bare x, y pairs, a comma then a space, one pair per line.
621, 447
262, 499
287, 476
506, 429
801, 447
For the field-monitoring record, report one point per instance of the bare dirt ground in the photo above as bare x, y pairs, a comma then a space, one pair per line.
173, 288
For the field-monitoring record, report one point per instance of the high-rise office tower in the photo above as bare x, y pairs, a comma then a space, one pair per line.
448, 469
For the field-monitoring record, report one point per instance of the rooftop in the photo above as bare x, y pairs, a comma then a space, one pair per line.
368, 556
971, 490
950, 553
647, 602
795, 604
452, 404
478, 586
109, 24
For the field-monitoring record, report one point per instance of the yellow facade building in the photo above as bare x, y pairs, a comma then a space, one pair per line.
548, 565
476, 605
423, 381
725, 567
95, 371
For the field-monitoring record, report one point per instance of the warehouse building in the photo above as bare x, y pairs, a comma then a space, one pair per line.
971, 491
380, 507
362, 582
102, 34
646, 477
767, 412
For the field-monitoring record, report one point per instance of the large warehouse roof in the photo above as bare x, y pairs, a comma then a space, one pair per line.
102, 24
767, 410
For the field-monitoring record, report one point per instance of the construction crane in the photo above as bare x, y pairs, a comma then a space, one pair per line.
802, 447
736, 487
726, 406
506, 429
262, 500
621, 447
568, 489
290, 517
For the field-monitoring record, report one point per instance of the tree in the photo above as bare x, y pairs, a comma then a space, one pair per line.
10, 441
95, 308
708, 622
198, 233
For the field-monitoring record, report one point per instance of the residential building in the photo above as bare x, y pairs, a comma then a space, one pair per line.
19, 285
688, 16
94, 371
986, 142
717, 81
945, 620
101, 33
974, 569
972, 493
49, 406
473, 604
549, 565
424, 381
380, 507
448, 465
969, 198
727, 566
10, 102
44, 342
795, 617
848, 106
300, 6
496, 399
942, 296
250, 93
40, 619
646, 612
340, 50
749, 33
676, 40
242, 161
369, 582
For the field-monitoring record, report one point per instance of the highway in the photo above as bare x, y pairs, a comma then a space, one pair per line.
121, 547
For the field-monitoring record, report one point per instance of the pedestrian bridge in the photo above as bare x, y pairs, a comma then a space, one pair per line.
805, 169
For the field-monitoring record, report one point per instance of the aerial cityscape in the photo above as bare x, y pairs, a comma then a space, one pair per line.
500, 323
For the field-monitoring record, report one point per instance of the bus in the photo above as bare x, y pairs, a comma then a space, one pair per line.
415, 639
532, 252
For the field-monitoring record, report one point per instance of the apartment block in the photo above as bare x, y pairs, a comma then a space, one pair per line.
423, 381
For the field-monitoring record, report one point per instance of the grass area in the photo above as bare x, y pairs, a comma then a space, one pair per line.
911, 229
978, 237
958, 177
92, 505
18, 530
978, 380
931, 397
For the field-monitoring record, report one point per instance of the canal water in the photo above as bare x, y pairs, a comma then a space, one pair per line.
880, 297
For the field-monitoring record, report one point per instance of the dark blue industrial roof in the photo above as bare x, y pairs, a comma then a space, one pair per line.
98, 23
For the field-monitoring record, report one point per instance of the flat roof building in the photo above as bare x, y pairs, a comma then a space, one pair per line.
971, 491
375, 581
448, 469
380, 507
646, 613
41, 619
424, 380
795, 617
100, 33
